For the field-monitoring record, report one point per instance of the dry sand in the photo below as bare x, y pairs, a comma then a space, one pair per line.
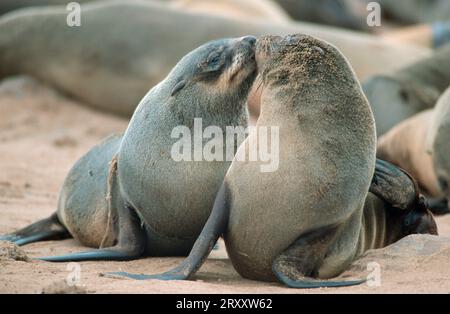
42, 134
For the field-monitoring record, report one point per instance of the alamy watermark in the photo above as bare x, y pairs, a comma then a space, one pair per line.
74, 15
215, 144
374, 277
374, 17
74, 276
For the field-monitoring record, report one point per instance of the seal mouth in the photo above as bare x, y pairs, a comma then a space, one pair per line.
242, 63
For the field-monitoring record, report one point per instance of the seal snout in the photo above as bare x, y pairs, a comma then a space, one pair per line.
251, 40
245, 46
265, 46
243, 52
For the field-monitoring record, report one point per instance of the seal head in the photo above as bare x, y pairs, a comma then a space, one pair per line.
224, 71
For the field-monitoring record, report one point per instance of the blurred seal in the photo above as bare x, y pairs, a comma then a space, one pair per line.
421, 146
142, 41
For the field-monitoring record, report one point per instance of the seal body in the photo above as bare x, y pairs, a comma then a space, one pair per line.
83, 204
384, 224
319, 107
434, 35
11, 5
176, 197
417, 11
130, 195
405, 146
420, 145
257, 10
438, 142
341, 13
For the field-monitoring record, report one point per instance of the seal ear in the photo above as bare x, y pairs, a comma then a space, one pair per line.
179, 86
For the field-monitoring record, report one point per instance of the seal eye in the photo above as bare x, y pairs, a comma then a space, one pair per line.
215, 59
213, 63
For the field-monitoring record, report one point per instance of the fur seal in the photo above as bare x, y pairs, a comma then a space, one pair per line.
438, 145
396, 97
313, 213
416, 11
342, 13
420, 145
264, 10
129, 194
253, 9
434, 35
11, 5
77, 62
404, 145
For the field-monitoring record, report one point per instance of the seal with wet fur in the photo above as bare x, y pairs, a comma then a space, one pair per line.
303, 222
129, 194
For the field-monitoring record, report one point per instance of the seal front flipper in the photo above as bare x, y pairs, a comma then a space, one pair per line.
45, 229
297, 266
438, 206
131, 243
213, 229
394, 185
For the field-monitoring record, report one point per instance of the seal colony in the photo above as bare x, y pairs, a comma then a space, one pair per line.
38, 42
398, 96
318, 216
127, 195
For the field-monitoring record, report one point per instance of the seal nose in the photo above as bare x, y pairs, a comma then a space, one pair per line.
251, 40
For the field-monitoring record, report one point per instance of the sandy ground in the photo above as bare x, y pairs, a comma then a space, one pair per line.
42, 134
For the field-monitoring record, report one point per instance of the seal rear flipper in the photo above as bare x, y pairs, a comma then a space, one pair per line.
394, 185
213, 229
111, 254
300, 262
131, 243
45, 229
